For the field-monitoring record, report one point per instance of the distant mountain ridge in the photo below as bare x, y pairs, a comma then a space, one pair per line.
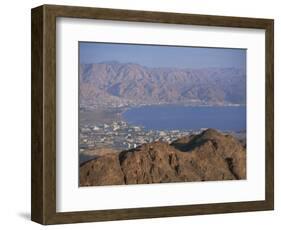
114, 84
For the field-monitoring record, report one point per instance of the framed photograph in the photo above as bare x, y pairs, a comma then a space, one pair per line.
141, 114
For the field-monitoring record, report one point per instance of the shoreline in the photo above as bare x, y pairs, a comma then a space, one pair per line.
111, 129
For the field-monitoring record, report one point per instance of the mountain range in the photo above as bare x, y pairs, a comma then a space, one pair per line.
115, 84
207, 156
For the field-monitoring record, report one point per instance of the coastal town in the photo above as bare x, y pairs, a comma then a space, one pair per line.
120, 135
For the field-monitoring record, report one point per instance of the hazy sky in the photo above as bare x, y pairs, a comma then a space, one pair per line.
162, 56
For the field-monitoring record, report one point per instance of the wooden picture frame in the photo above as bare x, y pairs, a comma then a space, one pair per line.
43, 207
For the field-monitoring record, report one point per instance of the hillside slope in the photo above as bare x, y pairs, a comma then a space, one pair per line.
207, 156
114, 83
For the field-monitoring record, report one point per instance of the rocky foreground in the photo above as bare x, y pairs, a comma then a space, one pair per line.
208, 156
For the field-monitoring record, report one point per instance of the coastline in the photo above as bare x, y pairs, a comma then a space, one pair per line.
116, 132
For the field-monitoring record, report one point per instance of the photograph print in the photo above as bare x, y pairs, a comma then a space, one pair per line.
161, 114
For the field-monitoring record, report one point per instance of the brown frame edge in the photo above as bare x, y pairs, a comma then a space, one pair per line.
43, 125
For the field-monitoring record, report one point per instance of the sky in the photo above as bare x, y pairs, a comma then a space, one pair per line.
162, 56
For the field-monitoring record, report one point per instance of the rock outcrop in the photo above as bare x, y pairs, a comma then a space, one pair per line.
208, 156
